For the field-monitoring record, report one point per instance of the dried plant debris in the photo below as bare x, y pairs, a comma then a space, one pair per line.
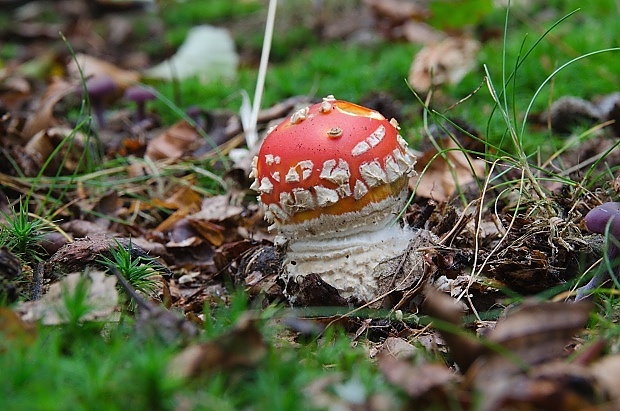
100, 299
444, 62
10, 273
154, 320
522, 362
85, 252
427, 385
569, 112
13, 328
540, 253
240, 348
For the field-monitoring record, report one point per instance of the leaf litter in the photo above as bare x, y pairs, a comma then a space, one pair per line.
534, 355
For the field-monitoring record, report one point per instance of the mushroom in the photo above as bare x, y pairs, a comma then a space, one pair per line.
601, 220
139, 95
99, 88
332, 179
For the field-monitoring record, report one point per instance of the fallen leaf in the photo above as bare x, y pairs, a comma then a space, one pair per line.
552, 386
42, 116
218, 208
13, 329
10, 273
173, 142
336, 392
102, 299
445, 62
534, 334
15, 90
420, 33
183, 198
463, 347
429, 381
210, 221
607, 373
398, 10
207, 53
242, 347
213, 233
438, 176
397, 348
90, 66
538, 332
57, 141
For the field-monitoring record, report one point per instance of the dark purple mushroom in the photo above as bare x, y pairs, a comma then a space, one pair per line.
99, 88
140, 95
602, 220
197, 115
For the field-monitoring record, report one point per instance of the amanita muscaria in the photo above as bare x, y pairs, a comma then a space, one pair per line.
332, 179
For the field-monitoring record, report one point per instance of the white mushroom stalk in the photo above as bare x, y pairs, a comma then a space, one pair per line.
332, 179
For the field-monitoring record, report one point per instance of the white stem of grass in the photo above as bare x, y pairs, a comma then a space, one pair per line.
251, 136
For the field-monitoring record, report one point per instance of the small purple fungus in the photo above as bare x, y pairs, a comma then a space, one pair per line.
99, 89
601, 220
140, 95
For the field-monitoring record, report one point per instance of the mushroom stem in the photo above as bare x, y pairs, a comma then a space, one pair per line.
140, 95
347, 259
585, 292
604, 219
98, 112
100, 88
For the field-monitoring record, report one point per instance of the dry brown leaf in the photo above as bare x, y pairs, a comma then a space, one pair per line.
12, 328
419, 381
336, 392
445, 62
398, 10
420, 33
241, 347
173, 142
397, 348
440, 180
43, 144
212, 232
184, 201
536, 333
183, 198
463, 347
42, 116
210, 220
84, 228
607, 373
92, 67
102, 299
179, 228
554, 386
218, 208
14, 90
187, 222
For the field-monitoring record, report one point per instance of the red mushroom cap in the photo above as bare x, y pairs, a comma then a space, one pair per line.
329, 159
